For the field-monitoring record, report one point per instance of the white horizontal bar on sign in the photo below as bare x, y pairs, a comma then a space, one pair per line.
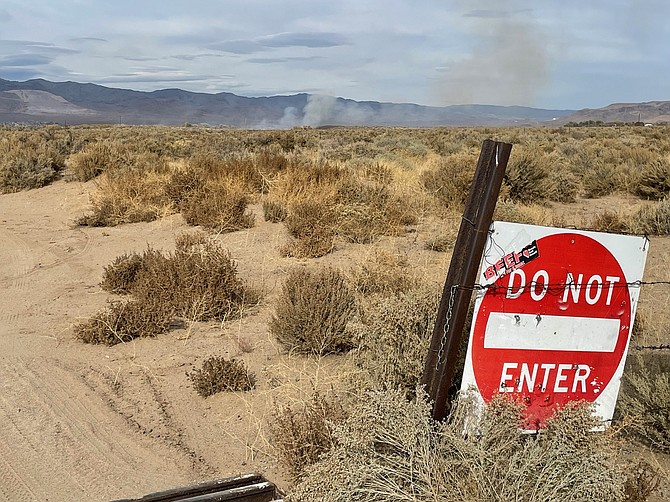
550, 332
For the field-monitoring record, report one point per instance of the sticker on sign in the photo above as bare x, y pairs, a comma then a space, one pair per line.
553, 323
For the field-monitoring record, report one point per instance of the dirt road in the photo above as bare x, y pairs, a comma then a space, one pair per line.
80, 422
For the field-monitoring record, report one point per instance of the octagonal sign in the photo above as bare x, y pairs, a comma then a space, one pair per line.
553, 323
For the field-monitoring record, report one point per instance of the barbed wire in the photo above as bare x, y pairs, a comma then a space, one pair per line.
559, 287
652, 347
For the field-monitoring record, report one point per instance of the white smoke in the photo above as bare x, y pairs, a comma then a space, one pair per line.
323, 110
508, 63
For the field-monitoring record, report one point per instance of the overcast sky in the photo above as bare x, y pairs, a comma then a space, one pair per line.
542, 53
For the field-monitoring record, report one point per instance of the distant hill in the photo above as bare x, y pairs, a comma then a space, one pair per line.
40, 100
651, 112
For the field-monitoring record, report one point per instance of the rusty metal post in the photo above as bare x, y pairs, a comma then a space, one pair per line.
451, 315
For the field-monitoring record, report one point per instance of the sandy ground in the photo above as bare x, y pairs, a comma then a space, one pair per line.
82, 422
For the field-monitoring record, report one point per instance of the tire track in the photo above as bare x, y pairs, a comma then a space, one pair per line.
146, 411
34, 436
12, 485
19, 262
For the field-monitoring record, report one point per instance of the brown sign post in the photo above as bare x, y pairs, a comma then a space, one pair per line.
451, 315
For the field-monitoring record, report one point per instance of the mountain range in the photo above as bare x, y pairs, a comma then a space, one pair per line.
43, 101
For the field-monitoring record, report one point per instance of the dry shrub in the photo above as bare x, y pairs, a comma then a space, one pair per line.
642, 480
198, 282
395, 336
221, 207
450, 181
303, 431
515, 212
28, 165
312, 224
527, 177
124, 321
95, 158
181, 183
609, 221
119, 276
130, 195
312, 312
645, 396
654, 180
383, 273
274, 211
440, 243
600, 179
653, 219
366, 209
219, 375
564, 185
390, 449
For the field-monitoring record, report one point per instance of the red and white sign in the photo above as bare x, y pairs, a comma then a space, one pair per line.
554, 323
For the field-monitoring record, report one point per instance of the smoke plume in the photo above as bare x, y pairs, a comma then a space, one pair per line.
508, 62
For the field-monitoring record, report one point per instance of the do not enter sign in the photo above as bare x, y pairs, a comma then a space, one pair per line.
554, 322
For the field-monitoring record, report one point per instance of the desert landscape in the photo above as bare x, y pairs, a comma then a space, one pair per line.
137, 262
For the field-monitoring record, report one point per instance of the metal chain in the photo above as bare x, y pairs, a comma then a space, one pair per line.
447, 321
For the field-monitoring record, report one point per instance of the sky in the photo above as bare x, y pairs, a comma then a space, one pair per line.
555, 54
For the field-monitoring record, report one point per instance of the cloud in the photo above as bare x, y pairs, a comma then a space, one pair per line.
310, 40
282, 60
27, 46
88, 39
25, 60
159, 75
237, 46
5, 16
20, 73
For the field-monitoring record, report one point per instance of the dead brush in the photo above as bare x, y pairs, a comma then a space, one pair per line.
119, 276
600, 179
394, 338
221, 207
383, 273
220, 375
28, 165
450, 180
197, 282
564, 185
303, 431
654, 180
130, 195
312, 224
312, 312
95, 158
389, 448
199, 272
652, 219
609, 221
527, 176
274, 211
124, 321
645, 396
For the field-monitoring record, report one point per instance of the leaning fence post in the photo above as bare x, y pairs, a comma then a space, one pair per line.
451, 315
